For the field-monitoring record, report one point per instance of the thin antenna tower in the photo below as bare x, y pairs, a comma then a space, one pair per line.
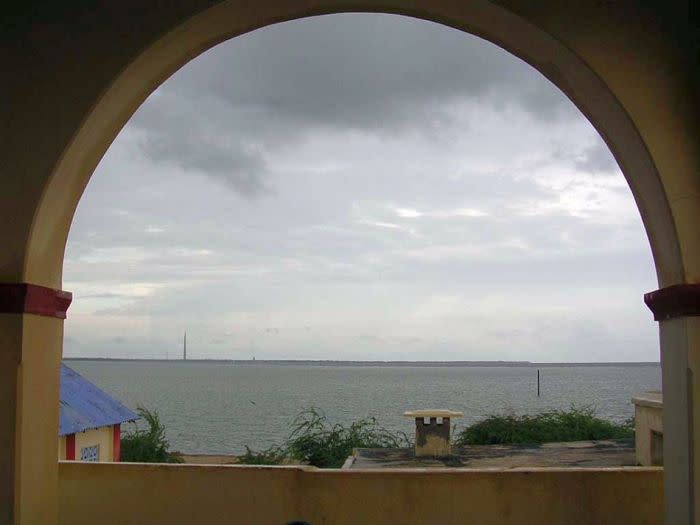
184, 348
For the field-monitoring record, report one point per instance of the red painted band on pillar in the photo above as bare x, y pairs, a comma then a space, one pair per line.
116, 442
25, 298
70, 447
679, 300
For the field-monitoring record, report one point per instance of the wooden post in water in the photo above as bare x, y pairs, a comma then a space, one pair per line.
538, 382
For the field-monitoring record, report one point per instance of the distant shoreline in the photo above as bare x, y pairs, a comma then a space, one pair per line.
422, 364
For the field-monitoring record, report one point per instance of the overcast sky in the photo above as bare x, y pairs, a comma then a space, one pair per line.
359, 187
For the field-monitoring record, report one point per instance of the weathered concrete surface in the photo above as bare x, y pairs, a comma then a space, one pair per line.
433, 438
592, 454
209, 459
433, 431
123, 493
221, 459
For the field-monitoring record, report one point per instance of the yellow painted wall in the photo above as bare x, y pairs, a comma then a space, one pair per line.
100, 436
119, 493
646, 419
37, 386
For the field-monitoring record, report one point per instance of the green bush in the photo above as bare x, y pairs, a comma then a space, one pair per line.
150, 445
575, 424
317, 442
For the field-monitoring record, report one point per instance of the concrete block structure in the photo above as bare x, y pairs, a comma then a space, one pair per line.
649, 428
433, 432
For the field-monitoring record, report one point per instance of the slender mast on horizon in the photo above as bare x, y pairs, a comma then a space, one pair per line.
184, 348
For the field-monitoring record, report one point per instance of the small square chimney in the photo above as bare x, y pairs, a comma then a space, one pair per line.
433, 432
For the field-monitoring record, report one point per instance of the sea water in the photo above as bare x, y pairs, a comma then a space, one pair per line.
218, 408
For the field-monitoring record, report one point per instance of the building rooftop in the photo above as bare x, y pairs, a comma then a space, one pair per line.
84, 406
596, 454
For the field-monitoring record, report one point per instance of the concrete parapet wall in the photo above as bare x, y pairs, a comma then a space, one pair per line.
113, 493
648, 428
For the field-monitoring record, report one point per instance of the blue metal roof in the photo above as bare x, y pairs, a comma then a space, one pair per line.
84, 406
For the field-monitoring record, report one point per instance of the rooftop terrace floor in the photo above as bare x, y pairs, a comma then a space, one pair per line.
596, 454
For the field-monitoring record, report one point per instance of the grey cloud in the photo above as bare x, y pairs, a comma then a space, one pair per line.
390, 340
212, 298
595, 158
241, 169
175, 134
369, 338
375, 73
223, 114
366, 71
106, 295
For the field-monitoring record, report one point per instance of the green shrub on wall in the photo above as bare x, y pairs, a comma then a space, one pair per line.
575, 424
147, 445
315, 441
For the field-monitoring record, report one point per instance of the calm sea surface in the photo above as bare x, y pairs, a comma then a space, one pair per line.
219, 408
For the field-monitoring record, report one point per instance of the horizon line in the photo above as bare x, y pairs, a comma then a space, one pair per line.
365, 362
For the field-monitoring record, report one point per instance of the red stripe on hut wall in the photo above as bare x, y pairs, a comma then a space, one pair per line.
70, 447
116, 442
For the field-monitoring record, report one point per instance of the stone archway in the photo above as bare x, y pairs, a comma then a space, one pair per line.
71, 95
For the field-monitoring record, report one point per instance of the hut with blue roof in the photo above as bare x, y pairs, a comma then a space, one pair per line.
90, 420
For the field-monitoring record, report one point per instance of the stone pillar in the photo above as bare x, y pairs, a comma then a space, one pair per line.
31, 337
677, 309
433, 437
